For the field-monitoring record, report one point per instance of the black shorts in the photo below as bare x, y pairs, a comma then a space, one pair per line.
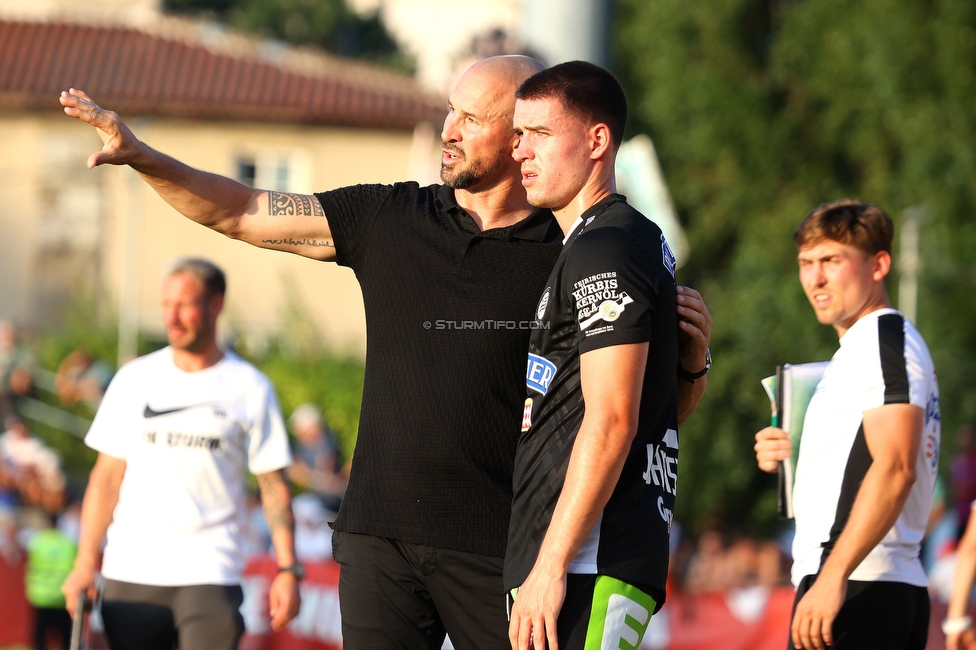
877, 616
398, 595
602, 612
194, 617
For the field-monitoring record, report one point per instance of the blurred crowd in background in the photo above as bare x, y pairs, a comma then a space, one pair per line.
40, 507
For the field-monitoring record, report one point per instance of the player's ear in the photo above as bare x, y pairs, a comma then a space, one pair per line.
882, 264
601, 141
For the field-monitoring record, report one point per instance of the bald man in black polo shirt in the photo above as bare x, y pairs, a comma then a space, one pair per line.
450, 277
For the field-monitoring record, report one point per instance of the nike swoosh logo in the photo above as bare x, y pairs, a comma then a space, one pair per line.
151, 413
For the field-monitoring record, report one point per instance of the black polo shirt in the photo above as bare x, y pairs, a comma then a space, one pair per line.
448, 317
612, 285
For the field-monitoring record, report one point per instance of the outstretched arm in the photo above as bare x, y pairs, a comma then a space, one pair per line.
101, 496
694, 333
283, 596
294, 223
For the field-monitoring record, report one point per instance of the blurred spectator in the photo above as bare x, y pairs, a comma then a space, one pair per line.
313, 537
9, 547
30, 468
50, 556
962, 475
316, 466
69, 522
257, 537
706, 567
940, 533
746, 562
82, 378
16, 369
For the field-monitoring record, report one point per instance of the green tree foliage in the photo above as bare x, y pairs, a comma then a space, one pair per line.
328, 24
762, 109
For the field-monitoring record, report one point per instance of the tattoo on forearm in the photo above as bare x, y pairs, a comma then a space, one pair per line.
299, 242
284, 203
276, 501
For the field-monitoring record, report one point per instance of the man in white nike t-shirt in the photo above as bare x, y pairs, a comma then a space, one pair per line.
176, 432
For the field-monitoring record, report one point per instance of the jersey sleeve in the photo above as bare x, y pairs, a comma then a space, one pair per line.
615, 286
115, 418
921, 373
351, 212
267, 445
903, 372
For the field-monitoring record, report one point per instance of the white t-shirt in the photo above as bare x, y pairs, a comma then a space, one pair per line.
882, 360
186, 438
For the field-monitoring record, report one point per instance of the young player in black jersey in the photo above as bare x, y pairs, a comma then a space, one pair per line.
596, 466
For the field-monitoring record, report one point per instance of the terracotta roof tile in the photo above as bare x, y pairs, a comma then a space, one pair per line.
174, 73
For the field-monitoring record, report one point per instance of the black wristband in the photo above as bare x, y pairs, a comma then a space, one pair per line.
296, 569
690, 377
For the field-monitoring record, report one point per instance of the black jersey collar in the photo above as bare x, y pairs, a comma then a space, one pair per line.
591, 214
540, 226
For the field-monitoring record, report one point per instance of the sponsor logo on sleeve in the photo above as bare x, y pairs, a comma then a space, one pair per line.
543, 303
597, 298
669, 260
527, 415
539, 374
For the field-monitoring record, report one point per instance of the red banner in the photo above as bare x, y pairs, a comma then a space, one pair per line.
752, 619
16, 616
317, 626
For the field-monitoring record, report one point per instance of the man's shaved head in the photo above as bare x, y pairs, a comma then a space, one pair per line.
478, 138
507, 70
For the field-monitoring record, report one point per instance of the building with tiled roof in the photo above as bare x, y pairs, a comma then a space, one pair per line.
270, 115
195, 70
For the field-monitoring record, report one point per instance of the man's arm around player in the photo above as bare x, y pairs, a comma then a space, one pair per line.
694, 333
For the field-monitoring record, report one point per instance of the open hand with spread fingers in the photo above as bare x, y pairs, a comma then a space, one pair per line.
119, 145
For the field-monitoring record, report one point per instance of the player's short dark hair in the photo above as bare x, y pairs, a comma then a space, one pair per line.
586, 89
209, 274
849, 222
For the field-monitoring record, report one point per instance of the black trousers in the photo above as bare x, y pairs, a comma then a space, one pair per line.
51, 618
877, 616
194, 617
398, 595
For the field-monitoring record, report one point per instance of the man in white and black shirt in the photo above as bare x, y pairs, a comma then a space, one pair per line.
870, 448
176, 432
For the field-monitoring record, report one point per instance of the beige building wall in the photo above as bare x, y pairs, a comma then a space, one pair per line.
18, 208
65, 229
